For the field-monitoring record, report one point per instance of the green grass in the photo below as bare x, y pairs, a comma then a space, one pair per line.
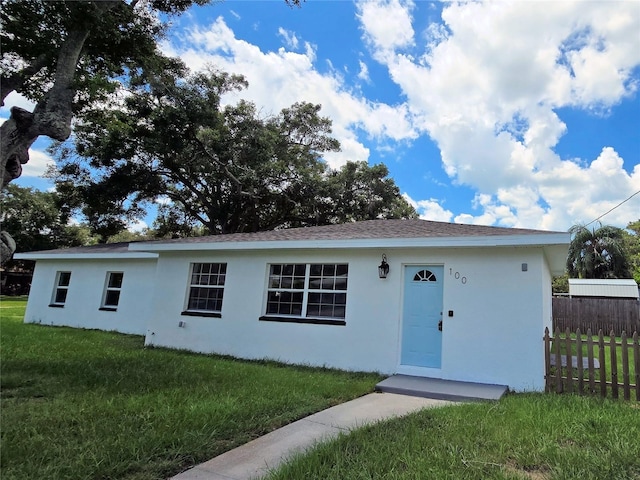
80, 404
524, 436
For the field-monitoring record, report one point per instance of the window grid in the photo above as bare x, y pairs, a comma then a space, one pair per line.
63, 279
206, 287
112, 290
424, 276
325, 294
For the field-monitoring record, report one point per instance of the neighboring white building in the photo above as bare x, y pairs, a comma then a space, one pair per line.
460, 302
603, 288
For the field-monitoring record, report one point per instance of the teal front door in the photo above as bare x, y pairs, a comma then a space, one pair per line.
422, 316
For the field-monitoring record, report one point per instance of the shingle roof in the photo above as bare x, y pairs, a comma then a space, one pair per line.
103, 248
370, 229
365, 230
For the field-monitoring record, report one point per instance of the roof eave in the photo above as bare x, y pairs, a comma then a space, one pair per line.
139, 255
432, 242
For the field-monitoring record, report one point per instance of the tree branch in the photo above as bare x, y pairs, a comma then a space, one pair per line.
17, 79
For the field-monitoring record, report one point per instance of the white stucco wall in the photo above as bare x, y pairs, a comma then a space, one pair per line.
494, 336
84, 297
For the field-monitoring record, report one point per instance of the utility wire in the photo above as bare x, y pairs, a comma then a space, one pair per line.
611, 210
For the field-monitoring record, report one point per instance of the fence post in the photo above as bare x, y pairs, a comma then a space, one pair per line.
547, 361
603, 370
569, 356
636, 362
579, 359
556, 347
614, 364
592, 386
626, 389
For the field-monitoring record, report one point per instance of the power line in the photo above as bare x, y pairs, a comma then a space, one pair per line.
611, 210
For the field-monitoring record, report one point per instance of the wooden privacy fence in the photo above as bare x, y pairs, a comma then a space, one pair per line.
606, 314
592, 364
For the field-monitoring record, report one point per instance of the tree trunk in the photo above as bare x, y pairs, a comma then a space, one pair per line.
51, 117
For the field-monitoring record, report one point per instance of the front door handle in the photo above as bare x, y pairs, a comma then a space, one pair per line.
440, 325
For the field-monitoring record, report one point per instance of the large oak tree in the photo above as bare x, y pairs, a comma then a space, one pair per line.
226, 168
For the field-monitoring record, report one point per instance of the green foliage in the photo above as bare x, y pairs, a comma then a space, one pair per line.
122, 40
597, 253
560, 284
226, 169
632, 247
91, 404
523, 436
38, 221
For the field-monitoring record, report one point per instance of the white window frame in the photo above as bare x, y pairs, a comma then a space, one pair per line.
305, 316
59, 287
108, 288
195, 282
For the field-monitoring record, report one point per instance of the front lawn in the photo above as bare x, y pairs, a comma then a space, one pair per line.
90, 404
524, 436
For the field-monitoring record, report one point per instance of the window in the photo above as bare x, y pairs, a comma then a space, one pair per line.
307, 293
424, 276
206, 289
61, 288
113, 286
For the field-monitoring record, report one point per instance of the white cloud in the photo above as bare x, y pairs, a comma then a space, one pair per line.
15, 99
364, 72
429, 209
290, 39
487, 85
37, 164
137, 226
280, 78
387, 24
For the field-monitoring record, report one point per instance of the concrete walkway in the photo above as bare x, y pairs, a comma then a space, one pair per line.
263, 454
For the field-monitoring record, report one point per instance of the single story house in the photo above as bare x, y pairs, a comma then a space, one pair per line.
416, 297
604, 288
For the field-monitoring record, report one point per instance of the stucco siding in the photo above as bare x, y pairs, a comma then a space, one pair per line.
85, 295
494, 335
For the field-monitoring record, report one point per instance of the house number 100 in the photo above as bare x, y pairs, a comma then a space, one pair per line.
457, 276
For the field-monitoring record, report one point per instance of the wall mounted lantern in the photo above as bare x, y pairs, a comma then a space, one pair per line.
383, 268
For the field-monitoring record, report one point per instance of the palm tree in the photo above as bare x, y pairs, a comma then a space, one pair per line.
597, 253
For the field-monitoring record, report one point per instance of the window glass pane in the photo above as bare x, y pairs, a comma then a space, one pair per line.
342, 270
298, 282
326, 310
64, 279
61, 295
300, 270
276, 269
341, 283
338, 311
115, 279
287, 270
328, 270
112, 298
208, 299
315, 270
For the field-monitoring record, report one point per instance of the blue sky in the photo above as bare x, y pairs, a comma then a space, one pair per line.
519, 114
